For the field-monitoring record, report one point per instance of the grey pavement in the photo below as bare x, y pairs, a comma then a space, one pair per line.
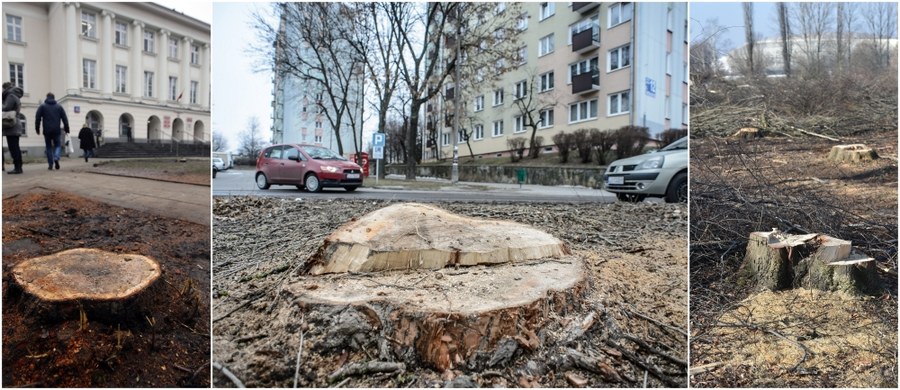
186, 202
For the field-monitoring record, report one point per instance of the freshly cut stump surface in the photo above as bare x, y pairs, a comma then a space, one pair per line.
852, 153
411, 236
86, 274
400, 291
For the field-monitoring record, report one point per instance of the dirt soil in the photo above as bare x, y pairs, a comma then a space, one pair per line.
192, 171
738, 187
632, 321
160, 338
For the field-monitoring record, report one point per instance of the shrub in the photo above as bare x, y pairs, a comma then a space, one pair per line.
631, 140
563, 144
534, 149
602, 142
583, 144
671, 135
516, 148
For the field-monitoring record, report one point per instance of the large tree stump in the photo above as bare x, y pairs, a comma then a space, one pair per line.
777, 261
396, 289
852, 153
411, 236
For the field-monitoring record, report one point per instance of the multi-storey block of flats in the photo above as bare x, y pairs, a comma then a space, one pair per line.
133, 72
589, 66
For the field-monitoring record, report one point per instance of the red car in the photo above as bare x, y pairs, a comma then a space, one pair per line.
305, 166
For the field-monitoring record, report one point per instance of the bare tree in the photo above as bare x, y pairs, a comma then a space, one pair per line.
814, 21
250, 140
535, 107
748, 36
219, 142
881, 19
706, 48
784, 27
839, 37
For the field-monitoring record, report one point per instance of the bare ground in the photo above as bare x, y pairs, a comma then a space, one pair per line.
635, 314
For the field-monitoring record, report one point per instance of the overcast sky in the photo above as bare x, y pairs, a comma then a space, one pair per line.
731, 16
201, 10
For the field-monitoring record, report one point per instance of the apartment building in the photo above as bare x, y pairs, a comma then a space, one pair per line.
587, 65
133, 72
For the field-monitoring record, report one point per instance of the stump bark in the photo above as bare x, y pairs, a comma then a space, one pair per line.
745, 133
852, 153
777, 261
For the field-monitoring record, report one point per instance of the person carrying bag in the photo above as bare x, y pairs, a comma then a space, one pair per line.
12, 123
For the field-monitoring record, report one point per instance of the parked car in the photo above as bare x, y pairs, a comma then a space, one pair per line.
215, 168
218, 163
662, 173
305, 166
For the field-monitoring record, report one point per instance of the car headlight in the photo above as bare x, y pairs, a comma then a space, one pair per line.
652, 163
330, 169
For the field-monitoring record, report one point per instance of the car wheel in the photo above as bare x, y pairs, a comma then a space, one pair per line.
262, 181
350, 189
312, 183
634, 198
214, 173
300, 187
678, 189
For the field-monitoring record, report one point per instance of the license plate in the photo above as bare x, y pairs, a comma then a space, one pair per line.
353, 176
615, 180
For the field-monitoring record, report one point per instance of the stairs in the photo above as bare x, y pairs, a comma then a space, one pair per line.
142, 150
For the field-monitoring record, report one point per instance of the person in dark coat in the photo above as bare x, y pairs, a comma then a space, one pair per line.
12, 102
86, 136
51, 114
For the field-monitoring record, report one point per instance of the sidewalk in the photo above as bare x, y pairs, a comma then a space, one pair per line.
172, 200
525, 189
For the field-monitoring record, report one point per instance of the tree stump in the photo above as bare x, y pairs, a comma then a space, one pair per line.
395, 288
852, 153
748, 133
777, 261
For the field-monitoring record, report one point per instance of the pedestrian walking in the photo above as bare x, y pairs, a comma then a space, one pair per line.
51, 113
86, 136
12, 123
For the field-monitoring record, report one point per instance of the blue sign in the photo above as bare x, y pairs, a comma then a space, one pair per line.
378, 139
650, 87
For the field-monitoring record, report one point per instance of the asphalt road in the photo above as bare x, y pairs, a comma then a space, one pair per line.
238, 182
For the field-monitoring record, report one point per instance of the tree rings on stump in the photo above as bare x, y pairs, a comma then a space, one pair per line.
852, 153
86, 274
412, 236
777, 261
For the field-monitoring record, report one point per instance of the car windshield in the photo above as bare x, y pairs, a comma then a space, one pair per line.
680, 144
318, 153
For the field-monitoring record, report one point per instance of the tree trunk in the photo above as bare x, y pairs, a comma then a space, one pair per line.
852, 153
412, 131
778, 261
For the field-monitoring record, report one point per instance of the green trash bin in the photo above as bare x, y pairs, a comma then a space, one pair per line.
520, 174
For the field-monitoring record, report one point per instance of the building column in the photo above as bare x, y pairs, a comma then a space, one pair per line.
137, 68
73, 34
107, 66
203, 94
162, 64
185, 77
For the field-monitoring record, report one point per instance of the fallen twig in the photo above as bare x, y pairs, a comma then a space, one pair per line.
225, 371
299, 355
642, 364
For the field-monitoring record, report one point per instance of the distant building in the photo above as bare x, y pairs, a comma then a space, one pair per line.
595, 65
135, 72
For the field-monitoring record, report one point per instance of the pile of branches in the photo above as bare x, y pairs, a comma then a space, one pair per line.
838, 106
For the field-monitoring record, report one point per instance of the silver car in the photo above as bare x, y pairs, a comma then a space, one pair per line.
662, 174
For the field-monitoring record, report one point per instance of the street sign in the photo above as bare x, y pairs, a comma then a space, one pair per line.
378, 139
650, 87
378, 152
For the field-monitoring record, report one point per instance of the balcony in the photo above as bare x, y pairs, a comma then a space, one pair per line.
584, 7
585, 41
585, 83
448, 120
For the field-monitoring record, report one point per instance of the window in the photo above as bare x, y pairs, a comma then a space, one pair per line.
195, 54
548, 9
519, 126
121, 34
318, 139
121, 78
522, 55
501, 6
148, 84
546, 118
620, 103
88, 24
500, 65
619, 57
195, 87
17, 74
619, 13
89, 74
461, 136
684, 113
669, 64
173, 47
581, 111
547, 81
521, 89
479, 103
588, 65
498, 97
479, 132
522, 22
445, 139
498, 128
668, 107
149, 43
546, 45
318, 124
173, 88
14, 28
684, 70
499, 34
592, 23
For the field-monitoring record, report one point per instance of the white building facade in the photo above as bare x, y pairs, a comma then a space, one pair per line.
135, 72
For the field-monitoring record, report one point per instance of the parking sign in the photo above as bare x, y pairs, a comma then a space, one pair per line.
378, 152
378, 139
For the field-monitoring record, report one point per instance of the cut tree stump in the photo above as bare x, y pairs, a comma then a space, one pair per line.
748, 133
86, 274
777, 261
852, 153
382, 280
411, 236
